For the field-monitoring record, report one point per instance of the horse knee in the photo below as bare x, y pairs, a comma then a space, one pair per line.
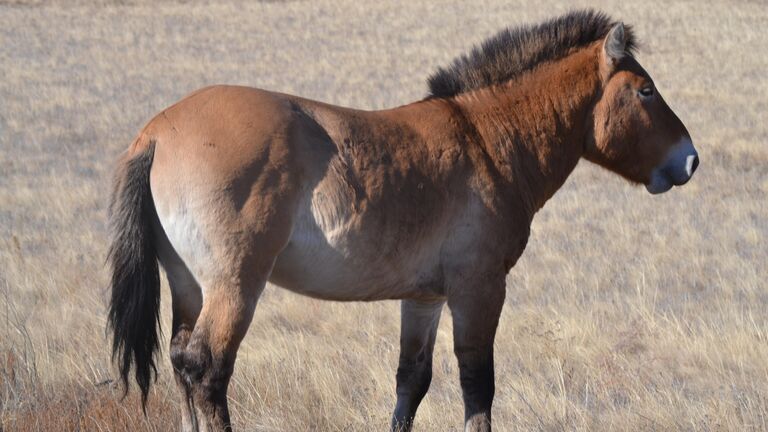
179, 342
206, 373
413, 377
197, 361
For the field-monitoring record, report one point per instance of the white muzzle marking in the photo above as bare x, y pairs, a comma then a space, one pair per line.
689, 165
677, 168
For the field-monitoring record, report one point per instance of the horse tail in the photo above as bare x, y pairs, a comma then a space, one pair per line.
134, 306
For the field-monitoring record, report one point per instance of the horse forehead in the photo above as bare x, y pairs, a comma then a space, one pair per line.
628, 78
630, 69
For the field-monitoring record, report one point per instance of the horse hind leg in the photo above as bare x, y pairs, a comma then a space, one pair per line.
186, 302
228, 233
232, 278
418, 330
179, 340
206, 361
213, 303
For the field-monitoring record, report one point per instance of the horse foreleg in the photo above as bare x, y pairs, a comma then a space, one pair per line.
418, 329
476, 309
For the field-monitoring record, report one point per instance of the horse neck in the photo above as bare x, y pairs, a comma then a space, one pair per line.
534, 128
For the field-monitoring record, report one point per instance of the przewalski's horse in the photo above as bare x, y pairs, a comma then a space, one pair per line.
430, 203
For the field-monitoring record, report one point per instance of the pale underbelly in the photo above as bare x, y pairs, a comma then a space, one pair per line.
352, 270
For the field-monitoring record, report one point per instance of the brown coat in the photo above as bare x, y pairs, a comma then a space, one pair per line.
429, 202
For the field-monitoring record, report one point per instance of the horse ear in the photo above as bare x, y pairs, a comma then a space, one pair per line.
615, 44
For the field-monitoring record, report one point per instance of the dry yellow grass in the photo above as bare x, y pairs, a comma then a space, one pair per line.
627, 312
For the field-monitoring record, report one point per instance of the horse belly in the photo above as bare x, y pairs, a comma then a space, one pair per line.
338, 263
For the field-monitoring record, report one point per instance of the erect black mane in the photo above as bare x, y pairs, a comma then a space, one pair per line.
514, 51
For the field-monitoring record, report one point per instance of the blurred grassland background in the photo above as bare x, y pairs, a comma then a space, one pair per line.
627, 311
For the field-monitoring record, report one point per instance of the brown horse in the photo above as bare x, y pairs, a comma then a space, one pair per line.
430, 203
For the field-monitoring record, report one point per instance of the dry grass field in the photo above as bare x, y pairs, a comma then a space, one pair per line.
627, 312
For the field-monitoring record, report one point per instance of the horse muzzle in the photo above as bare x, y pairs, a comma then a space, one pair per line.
678, 167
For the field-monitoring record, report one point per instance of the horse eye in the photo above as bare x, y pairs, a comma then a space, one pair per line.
646, 91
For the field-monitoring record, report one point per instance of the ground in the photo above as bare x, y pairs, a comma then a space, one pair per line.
627, 311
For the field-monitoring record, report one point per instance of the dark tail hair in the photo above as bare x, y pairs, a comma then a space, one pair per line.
135, 303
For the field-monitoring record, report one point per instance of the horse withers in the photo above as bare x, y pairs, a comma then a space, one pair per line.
429, 203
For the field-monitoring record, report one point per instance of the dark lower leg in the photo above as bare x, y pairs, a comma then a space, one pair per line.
209, 357
419, 323
477, 386
475, 318
413, 379
210, 389
179, 339
204, 378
